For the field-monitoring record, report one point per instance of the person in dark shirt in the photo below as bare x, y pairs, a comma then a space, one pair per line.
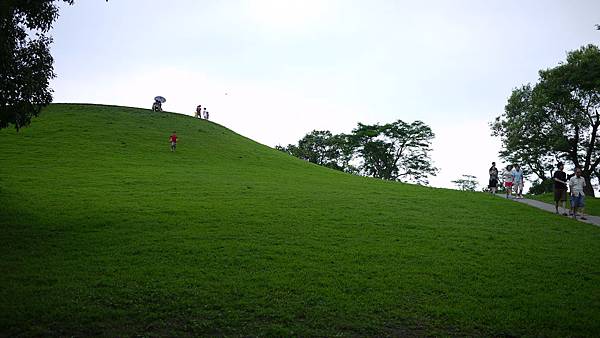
493, 183
560, 187
199, 111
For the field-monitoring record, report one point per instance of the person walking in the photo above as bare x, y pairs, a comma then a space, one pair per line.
576, 185
507, 177
560, 188
493, 182
205, 114
173, 139
518, 181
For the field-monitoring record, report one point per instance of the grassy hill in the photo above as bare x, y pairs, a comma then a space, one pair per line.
104, 231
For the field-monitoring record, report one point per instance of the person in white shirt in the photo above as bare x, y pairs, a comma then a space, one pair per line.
576, 185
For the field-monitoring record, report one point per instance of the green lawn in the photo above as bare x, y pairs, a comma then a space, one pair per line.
592, 205
105, 232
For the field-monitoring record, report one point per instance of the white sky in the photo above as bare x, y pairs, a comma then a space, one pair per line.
289, 67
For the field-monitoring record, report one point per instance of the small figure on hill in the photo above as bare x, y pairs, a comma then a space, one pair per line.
507, 177
576, 185
518, 181
560, 187
173, 139
198, 111
206, 114
158, 101
493, 182
157, 106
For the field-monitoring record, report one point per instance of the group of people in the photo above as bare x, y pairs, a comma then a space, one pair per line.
576, 184
201, 113
512, 178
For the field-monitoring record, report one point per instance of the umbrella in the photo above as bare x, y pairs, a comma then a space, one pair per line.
160, 99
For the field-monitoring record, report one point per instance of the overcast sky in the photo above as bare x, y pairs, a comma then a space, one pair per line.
273, 70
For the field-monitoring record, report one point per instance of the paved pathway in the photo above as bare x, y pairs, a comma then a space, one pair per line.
550, 207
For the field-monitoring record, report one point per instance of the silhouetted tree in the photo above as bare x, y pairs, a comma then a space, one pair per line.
396, 151
323, 148
466, 183
25, 60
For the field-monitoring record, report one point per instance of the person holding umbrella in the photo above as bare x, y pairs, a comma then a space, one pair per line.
158, 101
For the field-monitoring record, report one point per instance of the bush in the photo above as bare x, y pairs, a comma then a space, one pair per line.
540, 187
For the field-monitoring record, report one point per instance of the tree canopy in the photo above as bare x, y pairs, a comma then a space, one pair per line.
396, 151
556, 119
466, 183
26, 65
323, 148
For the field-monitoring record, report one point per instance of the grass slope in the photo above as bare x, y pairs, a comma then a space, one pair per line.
106, 232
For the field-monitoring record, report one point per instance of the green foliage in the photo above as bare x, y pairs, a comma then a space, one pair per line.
25, 60
323, 148
105, 232
557, 119
466, 183
540, 187
396, 151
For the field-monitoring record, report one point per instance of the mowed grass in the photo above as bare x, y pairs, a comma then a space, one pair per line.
104, 231
592, 205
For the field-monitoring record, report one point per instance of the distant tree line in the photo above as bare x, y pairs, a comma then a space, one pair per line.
397, 151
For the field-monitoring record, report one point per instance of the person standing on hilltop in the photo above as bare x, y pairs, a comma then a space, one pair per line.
173, 139
508, 180
518, 181
576, 185
493, 183
199, 111
560, 187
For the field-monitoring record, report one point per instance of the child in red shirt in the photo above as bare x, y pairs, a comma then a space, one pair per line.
173, 140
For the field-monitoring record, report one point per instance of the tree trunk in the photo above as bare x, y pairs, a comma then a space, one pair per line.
588, 190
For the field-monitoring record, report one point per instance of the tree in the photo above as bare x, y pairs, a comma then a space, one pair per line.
523, 137
466, 183
540, 187
395, 151
25, 59
556, 119
323, 148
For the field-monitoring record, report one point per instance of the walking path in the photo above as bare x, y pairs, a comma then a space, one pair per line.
595, 220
